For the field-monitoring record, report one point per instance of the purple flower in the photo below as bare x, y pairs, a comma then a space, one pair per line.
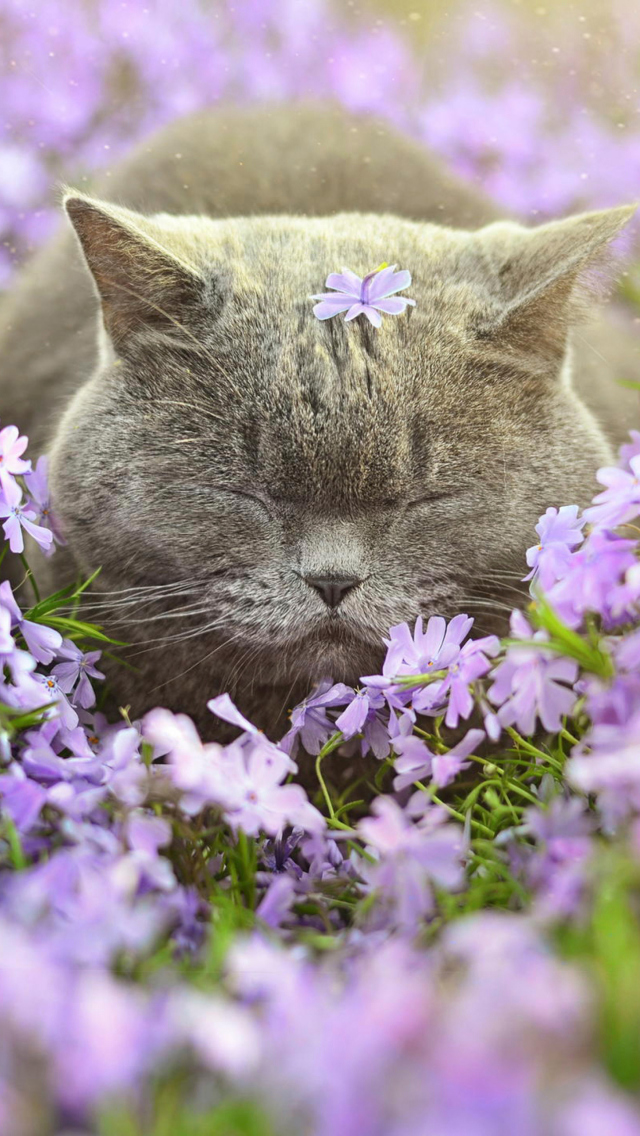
559, 531
630, 449
591, 576
256, 798
367, 296
469, 665
530, 683
11, 463
53, 693
43, 642
620, 500
22, 798
277, 901
415, 760
422, 652
38, 490
364, 716
224, 708
75, 672
607, 763
410, 857
19, 517
309, 721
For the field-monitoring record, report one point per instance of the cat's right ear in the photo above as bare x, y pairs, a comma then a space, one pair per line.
144, 287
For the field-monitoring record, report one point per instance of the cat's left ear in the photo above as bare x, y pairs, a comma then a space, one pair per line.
145, 286
539, 279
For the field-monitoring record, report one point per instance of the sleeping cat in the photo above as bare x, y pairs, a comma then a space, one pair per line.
267, 493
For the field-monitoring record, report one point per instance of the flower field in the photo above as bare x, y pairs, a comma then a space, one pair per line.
191, 943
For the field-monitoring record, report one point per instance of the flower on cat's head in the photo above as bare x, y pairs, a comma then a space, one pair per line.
364, 296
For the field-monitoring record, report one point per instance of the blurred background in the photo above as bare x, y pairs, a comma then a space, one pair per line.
537, 102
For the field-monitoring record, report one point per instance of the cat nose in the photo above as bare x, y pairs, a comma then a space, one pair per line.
333, 589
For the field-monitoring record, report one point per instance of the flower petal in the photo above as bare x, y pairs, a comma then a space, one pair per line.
345, 281
325, 311
387, 283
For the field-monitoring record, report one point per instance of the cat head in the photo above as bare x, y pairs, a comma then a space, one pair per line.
318, 482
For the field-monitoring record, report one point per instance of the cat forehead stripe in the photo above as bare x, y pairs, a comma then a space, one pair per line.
368, 295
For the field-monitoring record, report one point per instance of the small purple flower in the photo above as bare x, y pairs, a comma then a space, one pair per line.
559, 531
411, 856
470, 664
223, 707
590, 580
257, 799
423, 652
43, 642
416, 761
364, 716
309, 721
22, 798
38, 490
77, 668
367, 296
277, 901
530, 683
607, 763
53, 693
630, 449
20, 516
11, 463
620, 500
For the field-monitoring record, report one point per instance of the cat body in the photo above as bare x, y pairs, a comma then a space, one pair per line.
267, 493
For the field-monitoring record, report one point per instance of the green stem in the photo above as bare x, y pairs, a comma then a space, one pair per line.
328, 748
564, 733
30, 576
529, 748
452, 812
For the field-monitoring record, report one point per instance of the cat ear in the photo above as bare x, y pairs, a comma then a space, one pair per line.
541, 279
143, 285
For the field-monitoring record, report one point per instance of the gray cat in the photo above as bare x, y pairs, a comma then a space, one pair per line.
267, 493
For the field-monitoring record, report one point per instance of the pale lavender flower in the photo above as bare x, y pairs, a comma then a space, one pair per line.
368, 296
51, 692
275, 905
256, 798
411, 856
470, 664
11, 462
223, 707
559, 531
20, 516
533, 683
74, 672
590, 580
417, 762
198, 771
21, 797
607, 763
423, 651
630, 449
620, 500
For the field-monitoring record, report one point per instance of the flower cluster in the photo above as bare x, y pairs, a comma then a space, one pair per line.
113, 71
169, 903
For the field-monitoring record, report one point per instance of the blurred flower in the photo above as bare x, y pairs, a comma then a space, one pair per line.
530, 683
